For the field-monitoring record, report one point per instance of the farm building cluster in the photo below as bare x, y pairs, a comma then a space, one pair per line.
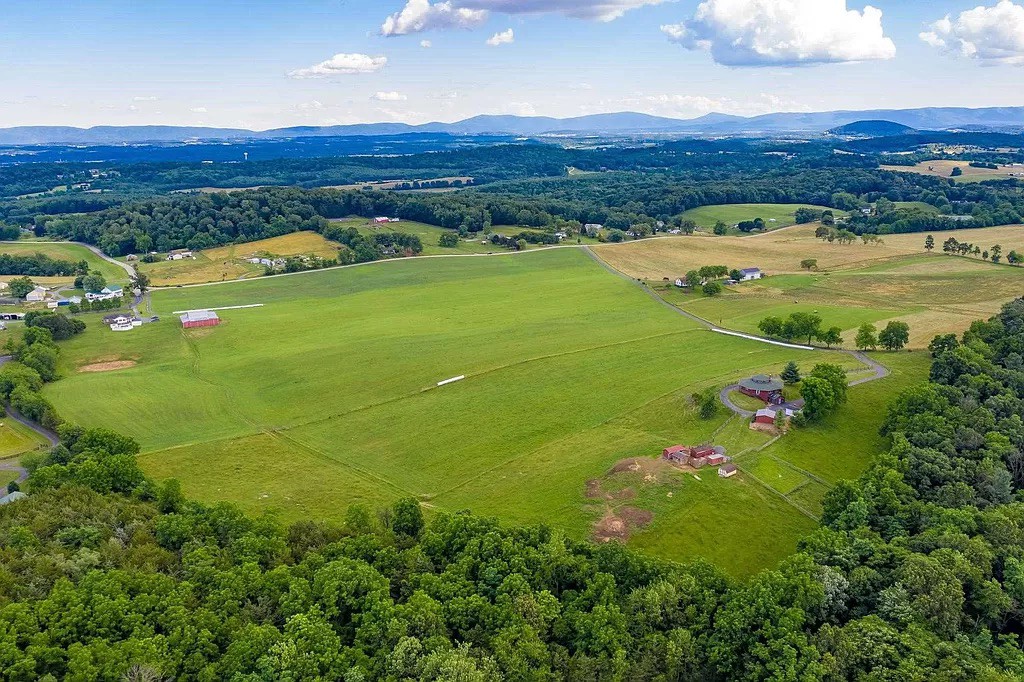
384, 220
700, 456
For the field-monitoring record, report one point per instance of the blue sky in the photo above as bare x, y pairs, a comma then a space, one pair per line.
260, 64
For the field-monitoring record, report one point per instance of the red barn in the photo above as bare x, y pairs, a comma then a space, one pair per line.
677, 453
199, 318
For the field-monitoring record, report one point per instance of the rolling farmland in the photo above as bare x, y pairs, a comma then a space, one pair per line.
337, 403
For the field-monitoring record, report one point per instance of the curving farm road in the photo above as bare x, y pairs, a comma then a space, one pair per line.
880, 371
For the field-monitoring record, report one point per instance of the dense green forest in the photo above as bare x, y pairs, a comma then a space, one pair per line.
532, 185
617, 200
917, 572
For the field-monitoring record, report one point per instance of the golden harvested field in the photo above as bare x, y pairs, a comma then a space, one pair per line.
227, 262
780, 251
944, 169
294, 244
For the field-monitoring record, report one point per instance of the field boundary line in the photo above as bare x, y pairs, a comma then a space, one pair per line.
225, 307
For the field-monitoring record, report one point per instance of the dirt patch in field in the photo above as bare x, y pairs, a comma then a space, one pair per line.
108, 366
619, 524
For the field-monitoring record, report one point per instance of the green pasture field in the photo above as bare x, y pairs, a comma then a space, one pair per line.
16, 439
429, 235
65, 251
732, 214
327, 396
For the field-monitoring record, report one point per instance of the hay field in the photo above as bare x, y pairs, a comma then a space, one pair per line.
327, 396
774, 252
944, 168
225, 263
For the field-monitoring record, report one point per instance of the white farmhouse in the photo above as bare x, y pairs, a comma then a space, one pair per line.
750, 274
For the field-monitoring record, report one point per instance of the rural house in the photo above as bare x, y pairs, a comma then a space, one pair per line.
751, 274
592, 229
764, 388
111, 291
728, 471
199, 318
180, 254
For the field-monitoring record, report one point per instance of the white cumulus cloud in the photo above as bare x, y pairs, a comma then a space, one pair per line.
774, 32
503, 38
426, 44
342, 64
992, 35
420, 15
198, 110
389, 96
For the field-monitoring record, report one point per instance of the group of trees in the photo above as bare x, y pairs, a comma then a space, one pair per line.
957, 247
893, 337
916, 572
61, 326
34, 362
801, 326
823, 391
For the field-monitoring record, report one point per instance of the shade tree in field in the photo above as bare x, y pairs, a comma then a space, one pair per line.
833, 336
712, 288
929, 243
448, 240
801, 325
895, 335
996, 253
772, 326
867, 337
809, 264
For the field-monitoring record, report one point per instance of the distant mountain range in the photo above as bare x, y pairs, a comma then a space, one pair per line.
1005, 119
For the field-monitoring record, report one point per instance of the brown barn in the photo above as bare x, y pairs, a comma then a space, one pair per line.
199, 318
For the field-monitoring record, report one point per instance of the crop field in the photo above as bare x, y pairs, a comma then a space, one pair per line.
944, 169
337, 402
227, 262
774, 215
63, 251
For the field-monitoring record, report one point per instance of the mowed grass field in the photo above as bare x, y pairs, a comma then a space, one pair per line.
228, 262
63, 251
898, 279
774, 215
327, 396
944, 169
